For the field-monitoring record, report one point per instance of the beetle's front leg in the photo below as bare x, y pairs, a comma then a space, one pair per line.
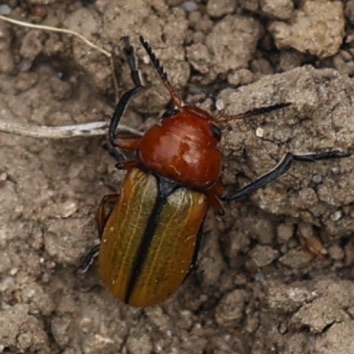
102, 217
122, 144
282, 167
125, 99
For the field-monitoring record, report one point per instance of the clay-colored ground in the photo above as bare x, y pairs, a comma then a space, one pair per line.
275, 273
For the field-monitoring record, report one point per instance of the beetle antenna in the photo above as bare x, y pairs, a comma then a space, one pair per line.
160, 70
253, 112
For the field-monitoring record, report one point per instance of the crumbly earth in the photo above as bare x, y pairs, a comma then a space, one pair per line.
276, 272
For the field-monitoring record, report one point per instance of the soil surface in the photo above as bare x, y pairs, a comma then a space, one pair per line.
276, 272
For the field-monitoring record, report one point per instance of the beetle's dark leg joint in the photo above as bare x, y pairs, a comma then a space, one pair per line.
125, 99
118, 155
282, 167
88, 259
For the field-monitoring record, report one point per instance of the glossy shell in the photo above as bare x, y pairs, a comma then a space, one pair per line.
183, 149
148, 249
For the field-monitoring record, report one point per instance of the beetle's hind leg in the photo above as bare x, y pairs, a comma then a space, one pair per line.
102, 216
88, 260
280, 169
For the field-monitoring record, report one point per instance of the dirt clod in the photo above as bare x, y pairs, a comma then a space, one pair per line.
317, 28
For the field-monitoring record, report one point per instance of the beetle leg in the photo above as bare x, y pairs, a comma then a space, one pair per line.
127, 165
88, 259
195, 261
128, 143
125, 144
102, 214
101, 221
125, 99
213, 195
215, 202
280, 169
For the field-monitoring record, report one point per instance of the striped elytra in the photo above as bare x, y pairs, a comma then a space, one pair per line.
149, 242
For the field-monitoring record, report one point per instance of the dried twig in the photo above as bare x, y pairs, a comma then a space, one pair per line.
55, 29
61, 132
68, 131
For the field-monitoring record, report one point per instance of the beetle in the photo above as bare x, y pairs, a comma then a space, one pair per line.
150, 239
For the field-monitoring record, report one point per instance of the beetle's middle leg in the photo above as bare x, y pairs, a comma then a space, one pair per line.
102, 214
280, 169
102, 217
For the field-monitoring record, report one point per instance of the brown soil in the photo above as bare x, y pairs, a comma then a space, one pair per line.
275, 273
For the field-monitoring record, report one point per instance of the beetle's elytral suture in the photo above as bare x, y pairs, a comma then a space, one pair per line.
159, 68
